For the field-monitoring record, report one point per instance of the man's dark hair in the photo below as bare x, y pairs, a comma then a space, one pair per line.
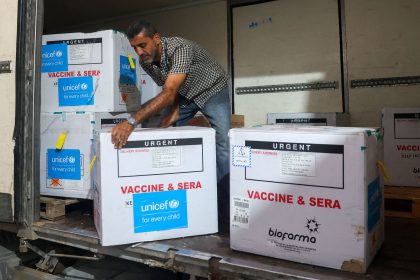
140, 26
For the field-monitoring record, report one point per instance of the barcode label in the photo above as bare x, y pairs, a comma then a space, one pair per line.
240, 212
243, 220
241, 204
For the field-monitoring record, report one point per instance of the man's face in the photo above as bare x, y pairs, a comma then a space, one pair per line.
147, 48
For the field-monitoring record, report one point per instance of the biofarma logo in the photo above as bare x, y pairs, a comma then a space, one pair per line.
171, 204
311, 224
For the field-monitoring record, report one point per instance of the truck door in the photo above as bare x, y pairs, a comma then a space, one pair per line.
8, 21
20, 43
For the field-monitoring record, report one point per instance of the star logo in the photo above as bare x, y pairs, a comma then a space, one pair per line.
312, 225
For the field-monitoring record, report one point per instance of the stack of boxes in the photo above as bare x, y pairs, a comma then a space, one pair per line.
161, 184
84, 76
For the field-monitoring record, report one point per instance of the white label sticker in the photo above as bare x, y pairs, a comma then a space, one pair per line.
85, 53
407, 128
298, 164
166, 157
79, 52
160, 156
241, 156
240, 212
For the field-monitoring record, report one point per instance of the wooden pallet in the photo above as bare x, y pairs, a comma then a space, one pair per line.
54, 209
403, 202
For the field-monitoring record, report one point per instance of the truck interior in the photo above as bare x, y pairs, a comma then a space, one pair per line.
209, 255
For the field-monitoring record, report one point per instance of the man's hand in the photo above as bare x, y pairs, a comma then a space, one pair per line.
120, 134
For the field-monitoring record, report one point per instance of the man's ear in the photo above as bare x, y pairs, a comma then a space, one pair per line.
156, 38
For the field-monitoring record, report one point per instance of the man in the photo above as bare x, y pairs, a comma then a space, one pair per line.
192, 81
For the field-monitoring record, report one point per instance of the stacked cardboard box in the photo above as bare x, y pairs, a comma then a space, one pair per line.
315, 119
402, 145
307, 194
66, 172
84, 76
161, 184
94, 72
149, 88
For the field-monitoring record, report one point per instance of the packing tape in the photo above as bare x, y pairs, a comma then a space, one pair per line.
60, 140
130, 60
92, 162
382, 169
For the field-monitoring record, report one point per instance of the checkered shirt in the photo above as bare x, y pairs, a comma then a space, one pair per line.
205, 77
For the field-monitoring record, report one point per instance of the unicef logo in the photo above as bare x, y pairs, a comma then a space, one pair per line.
84, 86
174, 203
58, 53
72, 159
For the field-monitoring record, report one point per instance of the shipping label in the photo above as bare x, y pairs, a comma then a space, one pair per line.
319, 165
160, 156
160, 211
241, 156
240, 212
407, 126
82, 51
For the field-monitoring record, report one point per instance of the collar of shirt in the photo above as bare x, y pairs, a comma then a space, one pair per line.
163, 56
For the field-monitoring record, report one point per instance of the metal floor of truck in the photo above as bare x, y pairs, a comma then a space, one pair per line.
399, 257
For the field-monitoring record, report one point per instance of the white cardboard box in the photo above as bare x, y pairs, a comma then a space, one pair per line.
402, 145
89, 72
149, 88
307, 194
160, 185
315, 119
66, 173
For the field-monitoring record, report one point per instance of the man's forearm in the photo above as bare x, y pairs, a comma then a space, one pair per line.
155, 105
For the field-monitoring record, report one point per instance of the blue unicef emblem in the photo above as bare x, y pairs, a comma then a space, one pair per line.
127, 75
160, 211
63, 164
76, 91
54, 58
